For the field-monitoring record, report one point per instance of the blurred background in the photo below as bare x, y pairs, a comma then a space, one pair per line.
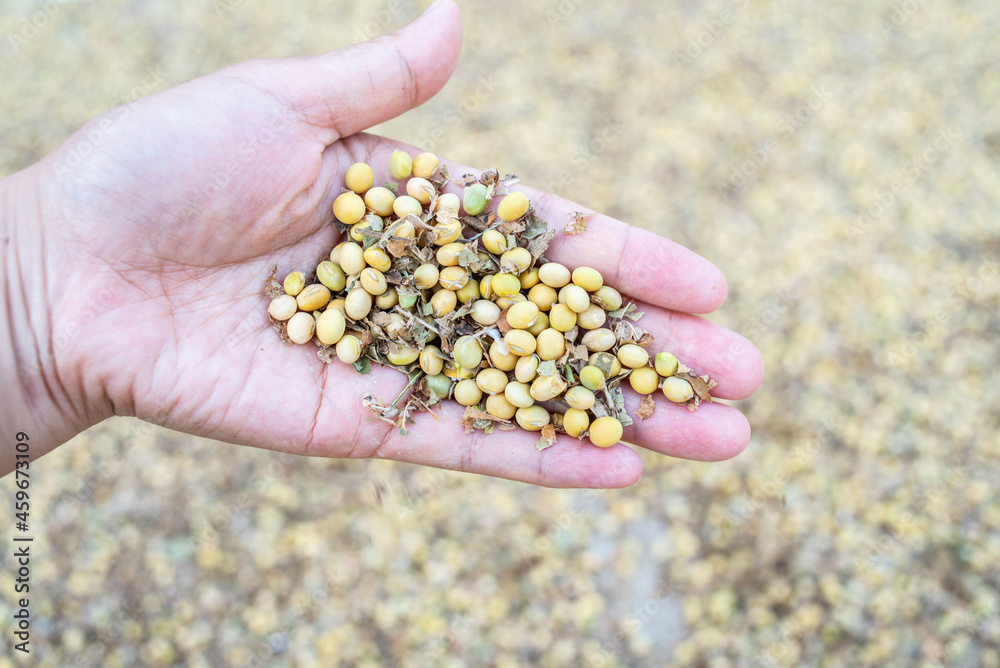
837, 160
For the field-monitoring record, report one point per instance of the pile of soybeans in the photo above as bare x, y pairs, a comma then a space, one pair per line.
457, 294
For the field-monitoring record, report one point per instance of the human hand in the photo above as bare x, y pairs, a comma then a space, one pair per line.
194, 193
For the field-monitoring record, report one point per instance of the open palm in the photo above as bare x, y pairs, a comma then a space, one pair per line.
194, 193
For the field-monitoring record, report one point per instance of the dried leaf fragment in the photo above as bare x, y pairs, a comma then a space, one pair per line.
272, 288
472, 415
579, 224
548, 438
646, 408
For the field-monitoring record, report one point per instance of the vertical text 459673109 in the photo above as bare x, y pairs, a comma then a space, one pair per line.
22, 543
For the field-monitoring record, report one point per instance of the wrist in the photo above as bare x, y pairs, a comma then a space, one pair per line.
48, 391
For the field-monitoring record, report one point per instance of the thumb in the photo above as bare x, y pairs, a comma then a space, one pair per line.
354, 88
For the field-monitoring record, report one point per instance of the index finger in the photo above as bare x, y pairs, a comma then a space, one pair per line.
634, 261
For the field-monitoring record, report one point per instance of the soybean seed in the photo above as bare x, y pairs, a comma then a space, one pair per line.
313, 297
282, 307
522, 315
592, 378
526, 368
378, 258
491, 381
431, 360
494, 242
300, 327
519, 342
453, 278
468, 393
485, 312
405, 205
294, 283
469, 291
562, 318
330, 327
474, 199
352, 258
447, 255
605, 431
576, 298
592, 318
580, 397
532, 418
498, 406
348, 349
387, 299
443, 302
331, 275
420, 189
349, 208
587, 278
575, 422
400, 164
503, 361
468, 352
424, 165
540, 325
644, 380
599, 340
512, 207
519, 394
546, 388
554, 274
677, 389
380, 200
666, 364
551, 344
358, 304
403, 356
633, 356
373, 281
359, 177
426, 276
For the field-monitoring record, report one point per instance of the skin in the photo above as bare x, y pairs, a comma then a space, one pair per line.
133, 277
